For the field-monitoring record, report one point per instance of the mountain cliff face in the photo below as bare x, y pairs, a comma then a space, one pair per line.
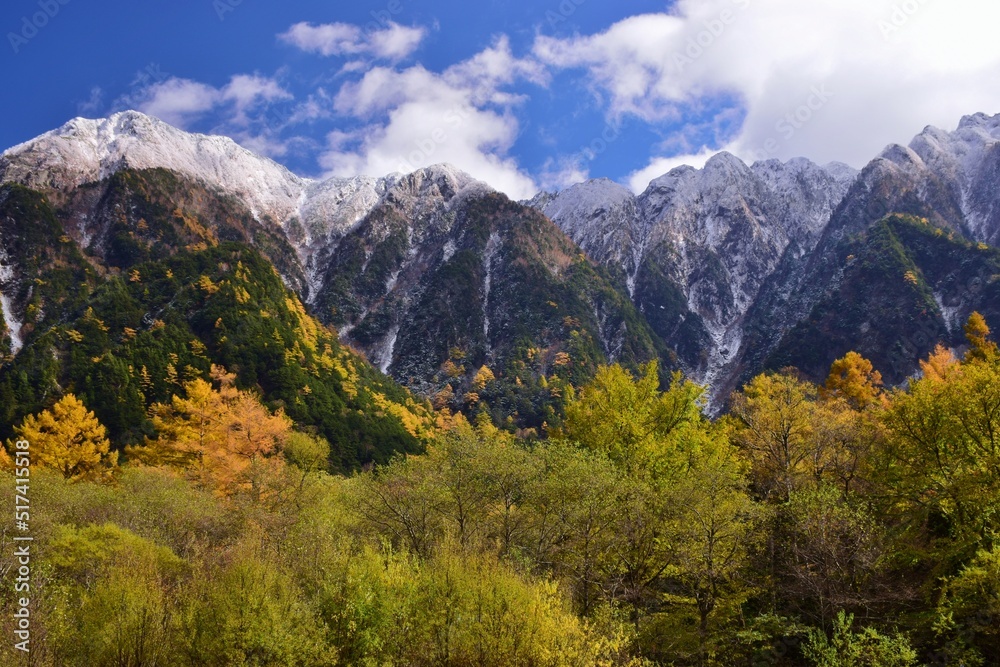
698, 245
939, 190
483, 303
726, 262
443, 283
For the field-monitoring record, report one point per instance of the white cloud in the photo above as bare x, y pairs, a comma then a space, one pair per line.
393, 42
559, 174
872, 71
182, 101
176, 101
245, 90
240, 109
396, 41
93, 104
415, 118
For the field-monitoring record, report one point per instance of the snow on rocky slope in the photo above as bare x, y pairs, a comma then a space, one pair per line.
718, 233
85, 150
969, 160
313, 213
696, 251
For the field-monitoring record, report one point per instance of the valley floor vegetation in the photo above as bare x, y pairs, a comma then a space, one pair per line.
838, 525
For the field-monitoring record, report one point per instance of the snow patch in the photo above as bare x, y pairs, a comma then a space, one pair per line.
392, 282
639, 255
7, 305
387, 349
13, 326
492, 250
726, 343
950, 314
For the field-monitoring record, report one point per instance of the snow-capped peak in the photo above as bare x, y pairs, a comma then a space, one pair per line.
89, 150
85, 150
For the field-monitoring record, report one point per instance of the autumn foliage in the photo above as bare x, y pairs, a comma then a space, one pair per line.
844, 524
68, 438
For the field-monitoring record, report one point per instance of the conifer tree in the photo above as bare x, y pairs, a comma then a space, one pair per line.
977, 332
68, 438
855, 379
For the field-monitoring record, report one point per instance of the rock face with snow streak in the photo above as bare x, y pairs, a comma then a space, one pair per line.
725, 261
602, 218
697, 246
443, 263
968, 161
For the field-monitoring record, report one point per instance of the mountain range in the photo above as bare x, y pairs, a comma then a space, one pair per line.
479, 302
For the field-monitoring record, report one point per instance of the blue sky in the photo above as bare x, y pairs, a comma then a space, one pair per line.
524, 95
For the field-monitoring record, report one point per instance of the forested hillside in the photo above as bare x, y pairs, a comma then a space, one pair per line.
842, 524
481, 304
124, 335
408, 421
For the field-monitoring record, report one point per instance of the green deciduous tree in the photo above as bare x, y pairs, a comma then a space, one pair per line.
865, 648
631, 421
249, 612
968, 614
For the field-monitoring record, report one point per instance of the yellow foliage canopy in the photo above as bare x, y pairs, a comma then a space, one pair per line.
68, 438
225, 436
855, 379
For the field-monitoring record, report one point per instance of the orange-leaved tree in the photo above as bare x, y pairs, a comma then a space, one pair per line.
853, 378
225, 436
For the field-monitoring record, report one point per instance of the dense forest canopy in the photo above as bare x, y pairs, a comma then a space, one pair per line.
833, 525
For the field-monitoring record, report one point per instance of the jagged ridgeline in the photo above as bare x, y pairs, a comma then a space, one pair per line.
160, 298
143, 280
481, 304
471, 300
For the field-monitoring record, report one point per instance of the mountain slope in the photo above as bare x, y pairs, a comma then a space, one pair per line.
123, 340
482, 303
433, 275
726, 261
698, 245
905, 286
445, 277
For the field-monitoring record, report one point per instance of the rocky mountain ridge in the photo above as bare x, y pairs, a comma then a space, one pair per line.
726, 260
710, 269
432, 275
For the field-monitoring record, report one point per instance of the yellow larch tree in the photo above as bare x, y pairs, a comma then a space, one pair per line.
978, 334
69, 438
224, 436
254, 436
853, 378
